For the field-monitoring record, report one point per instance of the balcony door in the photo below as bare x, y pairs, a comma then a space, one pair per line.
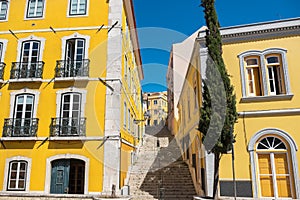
70, 113
23, 114
29, 59
74, 56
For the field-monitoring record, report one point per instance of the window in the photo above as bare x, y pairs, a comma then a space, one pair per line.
1, 50
155, 102
17, 175
253, 73
21, 123
275, 75
29, 63
3, 9
78, 7
155, 112
264, 73
35, 8
124, 115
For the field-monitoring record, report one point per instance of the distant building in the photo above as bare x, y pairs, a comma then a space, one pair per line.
157, 107
263, 60
70, 73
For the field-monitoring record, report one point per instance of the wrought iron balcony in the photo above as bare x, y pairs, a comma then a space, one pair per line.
20, 127
65, 127
27, 70
2, 66
72, 68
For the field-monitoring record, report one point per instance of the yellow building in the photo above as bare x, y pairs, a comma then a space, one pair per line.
156, 107
70, 73
262, 61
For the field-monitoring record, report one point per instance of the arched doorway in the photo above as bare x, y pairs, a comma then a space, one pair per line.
274, 171
274, 165
67, 176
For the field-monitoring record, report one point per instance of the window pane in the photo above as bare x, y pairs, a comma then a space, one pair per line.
272, 60
3, 9
251, 61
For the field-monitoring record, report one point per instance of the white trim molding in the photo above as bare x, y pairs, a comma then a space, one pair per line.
6, 171
24, 91
264, 113
293, 149
31, 37
78, 15
34, 18
75, 35
59, 94
7, 13
262, 55
66, 156
2, 55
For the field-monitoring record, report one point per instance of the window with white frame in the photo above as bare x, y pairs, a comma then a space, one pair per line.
253, 74
1, 50
264, 73
35, 8
17, 175
3, 9
78, 7
274, 67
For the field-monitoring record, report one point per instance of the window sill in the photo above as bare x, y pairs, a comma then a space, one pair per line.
25, 80
82, 78
74, 138
22, 139
266, 98
1, 81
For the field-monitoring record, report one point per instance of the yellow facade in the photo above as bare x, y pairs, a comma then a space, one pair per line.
55, 95
262, 61
157, 107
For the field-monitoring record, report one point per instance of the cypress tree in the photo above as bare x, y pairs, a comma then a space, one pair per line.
218, 111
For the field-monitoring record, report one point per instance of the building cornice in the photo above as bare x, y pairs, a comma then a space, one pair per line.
257, 31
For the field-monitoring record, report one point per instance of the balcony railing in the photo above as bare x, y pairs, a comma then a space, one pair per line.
65, 127
2, 66
20, 127
72, 68
27, 70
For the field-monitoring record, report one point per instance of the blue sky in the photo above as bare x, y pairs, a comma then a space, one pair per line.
161, 23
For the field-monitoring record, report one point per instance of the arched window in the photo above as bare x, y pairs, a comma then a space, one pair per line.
264, 73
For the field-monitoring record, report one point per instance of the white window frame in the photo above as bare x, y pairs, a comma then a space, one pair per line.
66, 156
7, 11
78, 15
6, 173
4, 46
30, 38
279, 64
75, 36
26, 17
262, 55
251, 68
59, 94
20, 92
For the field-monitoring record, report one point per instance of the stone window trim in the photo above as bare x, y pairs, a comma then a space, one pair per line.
31, 38
26, 14
3, 50
87, 5
293, 150
66, 156
13, 96
6, 172
75, 36
7, 11
262, 55
60, 93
